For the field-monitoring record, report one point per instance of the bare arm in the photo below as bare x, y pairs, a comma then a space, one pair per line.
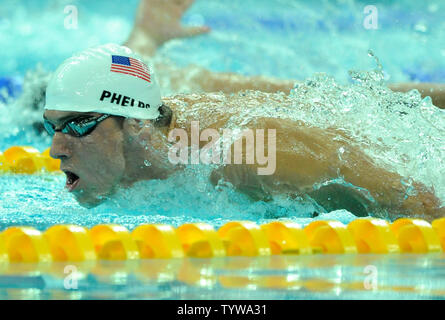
232, 82
307, 156
228, 82
158, 21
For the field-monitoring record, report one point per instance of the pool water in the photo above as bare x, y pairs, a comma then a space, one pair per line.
407, 276
273, 37
401, 132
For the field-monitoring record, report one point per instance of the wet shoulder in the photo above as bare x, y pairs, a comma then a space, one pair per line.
220, 110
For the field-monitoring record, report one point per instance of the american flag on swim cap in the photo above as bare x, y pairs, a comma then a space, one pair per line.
130, 66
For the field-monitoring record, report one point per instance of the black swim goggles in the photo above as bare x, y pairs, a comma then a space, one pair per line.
77, 127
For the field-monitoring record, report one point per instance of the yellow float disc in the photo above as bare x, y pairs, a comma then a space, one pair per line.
70, 243
157, 241
24, 159
4, 164
113, 242
25, 244
3, 254
330, 237
200, 240
373, 235
286, 238
439, 227
415, 236
244, 238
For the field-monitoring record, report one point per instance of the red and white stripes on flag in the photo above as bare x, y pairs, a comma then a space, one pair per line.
130, 66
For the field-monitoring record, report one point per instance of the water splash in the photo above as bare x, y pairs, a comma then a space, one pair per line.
375, 76
400, 131
22, 117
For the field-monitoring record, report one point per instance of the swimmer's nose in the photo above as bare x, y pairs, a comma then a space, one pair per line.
60, 147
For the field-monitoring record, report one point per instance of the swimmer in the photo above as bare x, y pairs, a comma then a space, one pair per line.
106, 117
156, 23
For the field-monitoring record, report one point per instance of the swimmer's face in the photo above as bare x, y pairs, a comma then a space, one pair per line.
94, 164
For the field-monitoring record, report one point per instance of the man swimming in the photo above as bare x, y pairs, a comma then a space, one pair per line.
106, 117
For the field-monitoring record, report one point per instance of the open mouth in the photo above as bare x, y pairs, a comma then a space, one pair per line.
72, 180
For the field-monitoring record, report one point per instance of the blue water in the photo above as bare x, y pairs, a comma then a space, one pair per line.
276, 277
286, 39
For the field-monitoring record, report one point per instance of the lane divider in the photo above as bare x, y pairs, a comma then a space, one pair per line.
70, 243
373, 236
439, 227
286, 238
27, 160
330, 237
244, 238
200, 240
113, 242
237, 238
4, 164
416, 236
25, 244
157, 241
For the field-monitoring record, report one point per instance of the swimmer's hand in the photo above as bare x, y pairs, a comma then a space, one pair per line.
158, 21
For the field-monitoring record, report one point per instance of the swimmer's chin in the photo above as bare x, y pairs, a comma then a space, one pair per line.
90, 203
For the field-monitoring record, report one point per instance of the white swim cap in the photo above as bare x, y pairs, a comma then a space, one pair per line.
107, 79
